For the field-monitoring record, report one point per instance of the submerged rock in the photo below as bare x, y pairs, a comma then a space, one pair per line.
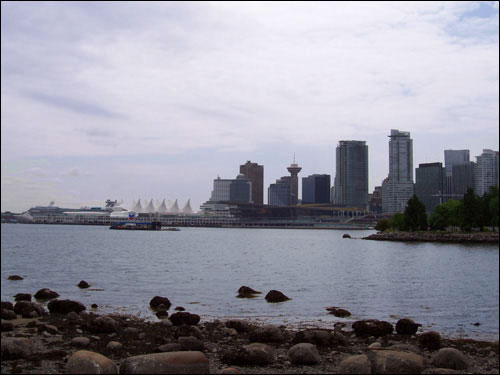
276, 296
372, 327
157, 301
247, 292
338, 312
184, 317
407, 326
22, 297
83, 284
15, 277
65, 306
46, 293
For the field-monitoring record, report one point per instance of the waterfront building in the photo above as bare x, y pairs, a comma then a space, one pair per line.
240, 190
255, 174
486, 171
221, 191
294, 170
430, 179
398, 187
351, 177
316, 189
279, 193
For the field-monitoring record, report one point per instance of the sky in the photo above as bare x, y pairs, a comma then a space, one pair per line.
154, 100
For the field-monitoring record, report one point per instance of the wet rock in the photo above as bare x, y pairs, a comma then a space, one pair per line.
94, 306
346, 235
83, 284
103, 324
86, 362
372, 327
129, 330
15, 277
375, 345
73, 316
395, 362
65, 306
157, 301
25, 309
304, 354
407, 326
162, 314
45, 294
16, 348
191, 343
320, 337
338, 312
179, 308
184, 317
7, 305
441, 371
405, 347
450, 358
166, 363
268, 333
81, 342
114, 345
275, 296
8, 314
239, 325
47, 328
22, 297
247, 292
230, 371
430, 340
172, 347
187, 330
7, 327
253, 354
356, 364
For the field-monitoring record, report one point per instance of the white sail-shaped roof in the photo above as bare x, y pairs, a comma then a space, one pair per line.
162, 209
175, 208
138, 208
150, 208
187, 208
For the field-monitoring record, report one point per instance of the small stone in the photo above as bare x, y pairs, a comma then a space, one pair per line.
78, 330
179, 308
80, 341
131, 331
450, 358
172, 347
22, 297
8, 314
304, 354
7, 327
191, 343
230, 370
141, 336
94, 306
73, 316
375, 345
268, 333
83, 284
114, 345
247, 292
430, 340
15, 277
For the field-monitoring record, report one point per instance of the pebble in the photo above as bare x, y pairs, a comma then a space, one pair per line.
78, 330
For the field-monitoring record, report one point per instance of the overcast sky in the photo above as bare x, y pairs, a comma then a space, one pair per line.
129, 100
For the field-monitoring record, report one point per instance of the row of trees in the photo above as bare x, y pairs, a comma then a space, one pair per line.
470, 212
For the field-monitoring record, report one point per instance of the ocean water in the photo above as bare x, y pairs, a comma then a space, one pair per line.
445, 287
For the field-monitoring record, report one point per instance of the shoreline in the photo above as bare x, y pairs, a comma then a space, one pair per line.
448, 237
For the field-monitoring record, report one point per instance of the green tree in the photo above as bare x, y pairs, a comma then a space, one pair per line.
415, 217
382, 225
445, 215
494, 211
397, 221
471, 211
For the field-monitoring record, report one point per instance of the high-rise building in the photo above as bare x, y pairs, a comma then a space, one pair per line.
316, 188
294, 170
221, 191
278, 194
452, 158
351, 178
429, 185
240, 190
486, 171
462, 178
255, 173
375, 200
398, 187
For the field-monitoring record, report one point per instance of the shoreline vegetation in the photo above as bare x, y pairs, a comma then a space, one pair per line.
430, 236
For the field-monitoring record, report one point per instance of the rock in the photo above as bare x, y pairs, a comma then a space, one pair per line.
247, 292
6, 326
94, 306
191, 343
430, 340
338, 312
103, 324
185, 330
83, 284
22, 297
65, 306
7, 305
16, 348
304, 354
86, 362
47, 328
15, 277
253, 354
172, 347
179, 308
161, 314
129, 330
320, 337
432, 370
395, 362
157, 301
450, 358
166, 363
141, 336
268, 333
25, 309
346, 235
375, 345
372, 327
46, 293
114, 345
275, 296
356, 364
230, 370
239, 325
407, 326
8, 314
73, 316
81, 342
184, 317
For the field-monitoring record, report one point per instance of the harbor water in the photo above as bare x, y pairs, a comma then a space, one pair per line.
451, 288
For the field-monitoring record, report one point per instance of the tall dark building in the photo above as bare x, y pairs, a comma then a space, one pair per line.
255, 174
430, 184
462, 178
279, 192
294, 170
240, 190
316, 188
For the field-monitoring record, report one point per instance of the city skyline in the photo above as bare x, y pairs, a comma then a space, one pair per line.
129, 101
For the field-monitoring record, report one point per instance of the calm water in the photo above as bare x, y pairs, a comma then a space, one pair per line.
445, 287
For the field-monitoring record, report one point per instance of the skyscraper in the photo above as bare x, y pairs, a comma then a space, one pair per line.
429, 185
316, 188
278, 194
454, 158
294, 170
255, 173
398, 188
351, 178
486, 171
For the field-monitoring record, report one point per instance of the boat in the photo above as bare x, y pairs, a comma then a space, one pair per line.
155, 225
172, 229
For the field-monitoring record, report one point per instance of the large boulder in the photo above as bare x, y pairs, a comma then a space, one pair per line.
65, 306
22, 297
395, 362
184, 317
254, 354
86, 362
191, 343
304, 354
15, 277
103, 324
6, 326
8, 314
187, 330
7, 305
407, 326
166, 363
29, 309
356, 364
276, 296
320, 337
430, 340
16, 348
372, 327
247, 292
46, 293
268, 333
450, 358
157, 301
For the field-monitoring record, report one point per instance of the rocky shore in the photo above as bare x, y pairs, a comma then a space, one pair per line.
476, 237
69, 339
